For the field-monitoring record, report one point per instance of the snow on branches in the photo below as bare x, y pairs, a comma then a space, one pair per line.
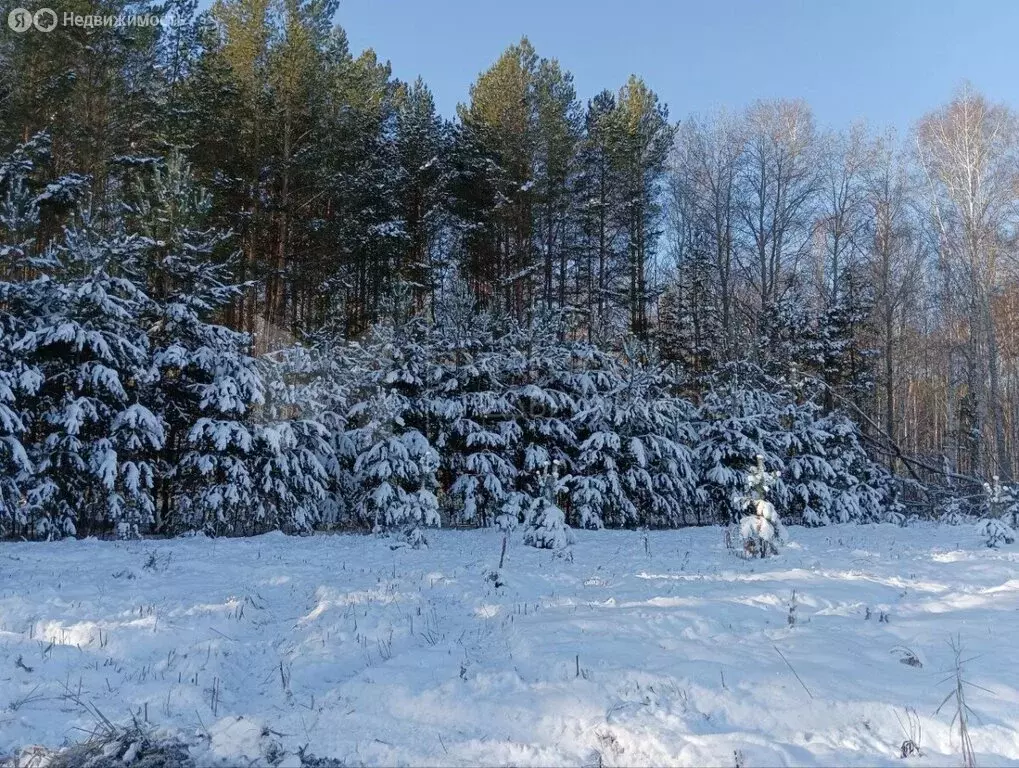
546, 526
128, 406
1000, 509
761, 530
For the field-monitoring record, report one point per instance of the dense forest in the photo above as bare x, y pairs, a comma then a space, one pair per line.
251, 280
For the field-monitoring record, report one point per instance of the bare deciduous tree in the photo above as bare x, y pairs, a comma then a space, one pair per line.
969, 153
778, 181
895, 255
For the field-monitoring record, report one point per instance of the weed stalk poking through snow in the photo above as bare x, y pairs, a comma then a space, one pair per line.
962, 709
912, 731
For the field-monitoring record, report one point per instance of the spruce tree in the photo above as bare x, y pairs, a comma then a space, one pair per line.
476, 433
206, 386
689, 327
761, 528
333, 371
545, 379
292, 447
22, 301
545, 521
826, 475
93, 434
394, 464
635, 465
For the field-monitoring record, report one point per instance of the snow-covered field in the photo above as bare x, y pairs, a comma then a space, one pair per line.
662, 651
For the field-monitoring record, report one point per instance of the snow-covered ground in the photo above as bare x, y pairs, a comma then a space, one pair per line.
664, 651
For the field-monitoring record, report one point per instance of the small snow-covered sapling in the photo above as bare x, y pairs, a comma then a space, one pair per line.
995, 532
761, 529
999, 515
547, 528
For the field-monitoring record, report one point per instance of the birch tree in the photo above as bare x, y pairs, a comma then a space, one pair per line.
895, 256
968, 151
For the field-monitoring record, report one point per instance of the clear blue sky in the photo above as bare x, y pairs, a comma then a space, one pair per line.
886, 62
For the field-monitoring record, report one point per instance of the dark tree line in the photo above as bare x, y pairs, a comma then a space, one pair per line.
341, 181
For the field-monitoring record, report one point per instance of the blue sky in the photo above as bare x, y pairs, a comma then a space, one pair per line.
886, 62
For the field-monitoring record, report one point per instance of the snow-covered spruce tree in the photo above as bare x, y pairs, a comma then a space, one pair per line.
546, 377
1000, 501
207, 387
998, 514
951, 511
848, 363
634, 466
828, 476
799, 437
760, 529
93, 435
865, 489
20, 304
545, 521
332, 372
290, 446
394, 471
736, 419
475, 430
240, 459
788, 337
394, 465
995, 532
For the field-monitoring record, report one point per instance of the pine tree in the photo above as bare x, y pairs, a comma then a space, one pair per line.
93, 435
498, 143
422, 141
362, 185
558, 127
645, 139
95, 90
206, 386
601, 263
516, 154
